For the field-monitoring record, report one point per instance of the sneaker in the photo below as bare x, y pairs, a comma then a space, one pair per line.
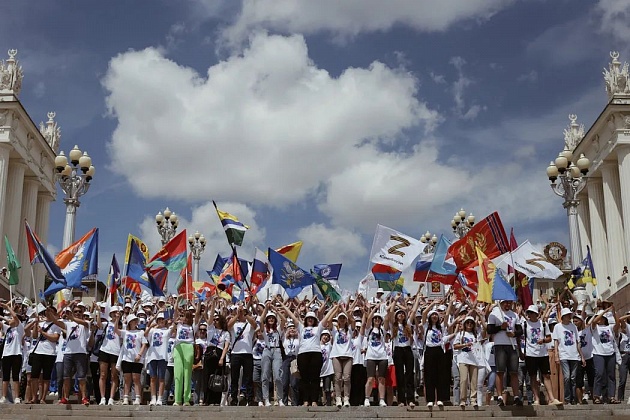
110, 401
382, 403
338, 402
175, 404
85, 401
346, 401
462, 404
63, 401
103, 401
186, 404
261, 404
518, 402
440, 404
500, 401
152, 402
475, 405
136, 401
17, 401
281, 403
366, 403
159, 401
3, 400
125, 401
267, 403
536, 403
430, 404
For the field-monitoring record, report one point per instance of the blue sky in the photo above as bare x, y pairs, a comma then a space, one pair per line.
314, 121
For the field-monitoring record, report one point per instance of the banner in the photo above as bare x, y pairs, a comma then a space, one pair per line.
394, 249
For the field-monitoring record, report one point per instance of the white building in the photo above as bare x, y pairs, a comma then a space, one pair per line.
27, 184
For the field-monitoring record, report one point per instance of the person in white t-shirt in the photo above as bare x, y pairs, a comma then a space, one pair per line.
45, 351
327, 373
376, 355
132, 355
242, 328
13, 332
108, 353
341, 355
604, 359
466, 360
157, 334
568, 353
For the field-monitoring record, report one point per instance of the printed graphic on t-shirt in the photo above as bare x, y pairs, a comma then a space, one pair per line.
402, 338
535, 335
375, 339
170, 346
239, 333
130, 341
569, 339
308, 333
466, 341
604, 336
435, 336
215, 339
110, 333
157, 339
583, 342
258, 349
324, 354
10, 336
184, 334
342, 337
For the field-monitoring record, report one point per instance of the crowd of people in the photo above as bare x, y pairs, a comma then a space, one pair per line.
386, 350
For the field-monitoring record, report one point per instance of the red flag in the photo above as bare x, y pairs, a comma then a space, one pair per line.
521, 281
185, 277
488, 235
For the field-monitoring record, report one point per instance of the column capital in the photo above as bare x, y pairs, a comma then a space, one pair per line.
45, 195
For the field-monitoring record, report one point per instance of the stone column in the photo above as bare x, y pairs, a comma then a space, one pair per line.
29, 212
584, 222
5, 149
41, 226
599, 242
614, 221
12, 211
623, 157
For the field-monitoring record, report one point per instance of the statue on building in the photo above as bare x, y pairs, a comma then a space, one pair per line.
11, 74
617, 77
574, 133
51, 131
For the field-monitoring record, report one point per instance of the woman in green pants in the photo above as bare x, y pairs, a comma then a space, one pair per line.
183, 356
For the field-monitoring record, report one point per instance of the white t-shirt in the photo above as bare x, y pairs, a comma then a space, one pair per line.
532, 332
327, 366
358, 358
169, 352
375, 344
272, 338
291, 346
586, 342
185, 334
465, 355
488, 350
567, 336
12, 339
47, 347
158, 344
603, 337
310, 338
433, 337
111, 341
400, 339
132, 341
258, 349
341, 343
389, 349
218, 338
76, 339
244, 343
498, 317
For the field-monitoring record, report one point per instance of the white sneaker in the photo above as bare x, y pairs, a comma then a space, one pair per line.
125, 401
429, 404
366, 403
175, 404
103, 401
382, 403
440, 404
628, 400
346, 401
261, 404
136, 401
267, 403
159, 401
17, 401
281, 403
110, 401
338, 402
152, 402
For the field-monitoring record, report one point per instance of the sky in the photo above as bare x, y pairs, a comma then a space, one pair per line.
314, 121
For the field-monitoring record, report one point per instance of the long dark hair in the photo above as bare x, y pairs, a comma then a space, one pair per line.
437, 325
222, 322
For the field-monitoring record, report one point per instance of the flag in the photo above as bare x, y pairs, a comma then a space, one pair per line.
38, 253
520, 279
364, 284
385, 273
172, 256
588, 273
465, 288
291, 251
185, 280
113, 279
285, 273
316, 292
440, 270
12, 263
488, 235
328, 271
501, 289
260, 268
159, 276
529, 261
394, 249
143, 247
423, 266
79, 260
234, 230
486, 273
136, 270
327, 290
392, 286
131, 288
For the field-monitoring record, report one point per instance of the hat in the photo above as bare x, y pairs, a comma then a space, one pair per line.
325, 332
418, 313
600, 312
576, 315
431, 312
147, 303
290, 323
310, 314
128, 305
131, 318
18, 300
505, 300
565, 311
378, 314
80, 303
358, 324
441, 308
161, 299
342, 314
400, 311
532, 308
269, 314
160, 315
469, 318
115, 309
552, 321
88, 313
379, 290
102, 304
190, 308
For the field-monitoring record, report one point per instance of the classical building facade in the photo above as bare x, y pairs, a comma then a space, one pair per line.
604, 205
27, 183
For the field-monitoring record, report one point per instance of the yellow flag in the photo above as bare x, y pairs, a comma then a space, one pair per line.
141, 245
291, 251
485, 274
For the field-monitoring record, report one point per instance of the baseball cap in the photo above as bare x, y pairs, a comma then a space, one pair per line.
160, 315
533, 308
565, 311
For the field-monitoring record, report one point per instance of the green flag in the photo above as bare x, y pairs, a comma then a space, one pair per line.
326, 289
13, 263
392, 286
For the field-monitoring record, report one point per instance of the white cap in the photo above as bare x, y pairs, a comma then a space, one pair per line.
441, 308
565, 311
532, 308
270, 314
380, 290
131, 318
325, 332
310, 314
191, 308
102, 304
128, 305
115, 309
147, 303
161, 299
469, 318
88, 313
160, 315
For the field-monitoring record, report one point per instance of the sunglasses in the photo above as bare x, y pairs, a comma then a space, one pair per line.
203, 331
77, 312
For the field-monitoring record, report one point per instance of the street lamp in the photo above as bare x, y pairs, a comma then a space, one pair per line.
571, 174
197, 244
74, 179
167, 222
430, 240
461, 224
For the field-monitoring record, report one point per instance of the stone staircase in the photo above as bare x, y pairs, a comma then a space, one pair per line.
59, 412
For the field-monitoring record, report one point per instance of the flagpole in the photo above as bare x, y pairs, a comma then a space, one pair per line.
11, 293
240, 267
33, 279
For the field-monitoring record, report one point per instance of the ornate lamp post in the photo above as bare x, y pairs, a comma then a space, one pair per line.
571, 174
167, 222
430, 240
461, 224
197, 243
74, 179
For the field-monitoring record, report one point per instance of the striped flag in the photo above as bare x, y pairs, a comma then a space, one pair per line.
234, 230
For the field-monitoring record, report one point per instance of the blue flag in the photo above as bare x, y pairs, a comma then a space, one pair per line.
84, 262
501, 289
439, 264
328, 271
136, 270
287, 274
38, 254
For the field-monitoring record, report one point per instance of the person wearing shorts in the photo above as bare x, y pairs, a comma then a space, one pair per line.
157, 334
43, 356
132, 356
13, 332
375, 355
108, 354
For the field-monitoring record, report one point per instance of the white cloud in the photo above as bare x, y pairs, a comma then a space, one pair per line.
615, 15
530, 77
437, 78
204, 219
332, 245
267, 126
352, 17
459, 88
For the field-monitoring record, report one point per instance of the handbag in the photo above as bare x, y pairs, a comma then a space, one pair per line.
30, 356
217, 382
294, 369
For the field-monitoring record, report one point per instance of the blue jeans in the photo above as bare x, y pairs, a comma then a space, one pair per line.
569, 372
604, 375
623, 375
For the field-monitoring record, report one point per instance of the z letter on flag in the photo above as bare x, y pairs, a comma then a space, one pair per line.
394, 249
